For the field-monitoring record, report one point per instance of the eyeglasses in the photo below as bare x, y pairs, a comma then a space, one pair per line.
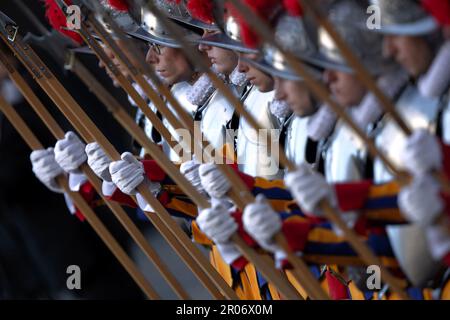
156, 47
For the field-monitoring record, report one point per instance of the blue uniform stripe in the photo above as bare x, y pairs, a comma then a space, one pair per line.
273, 193
381, 203
379, 244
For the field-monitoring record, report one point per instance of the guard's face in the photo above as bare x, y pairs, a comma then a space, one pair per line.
261, 80
446, 32
116, 62
169, 63
296, 95
346, 88
224, 60
413, 53
3, 73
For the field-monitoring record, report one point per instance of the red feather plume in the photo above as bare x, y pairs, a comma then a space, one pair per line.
440, 9
293, 7
119, 5
263, 8
201, 10
248, 37
58, 21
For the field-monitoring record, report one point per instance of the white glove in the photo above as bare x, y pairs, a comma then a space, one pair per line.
155, 189
98, 161
309, 188
217, 223
229, 252
69, 153
213, 181
321, 123
422, 153
420, 202
190, 170
438, 239
127, 173
262, 223
46, 168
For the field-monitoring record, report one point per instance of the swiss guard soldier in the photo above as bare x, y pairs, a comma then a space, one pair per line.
344, 153
219, 45
274, 112
412, 37
215, 116
404, 25
166, 57
252, 148
423, 202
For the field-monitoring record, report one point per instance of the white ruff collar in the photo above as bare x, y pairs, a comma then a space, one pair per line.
238, 78
280, 109
202, 89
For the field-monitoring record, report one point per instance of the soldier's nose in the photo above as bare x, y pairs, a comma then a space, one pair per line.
242, 66
279, 93
204, 47
388, 47
151, 56
329, 77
